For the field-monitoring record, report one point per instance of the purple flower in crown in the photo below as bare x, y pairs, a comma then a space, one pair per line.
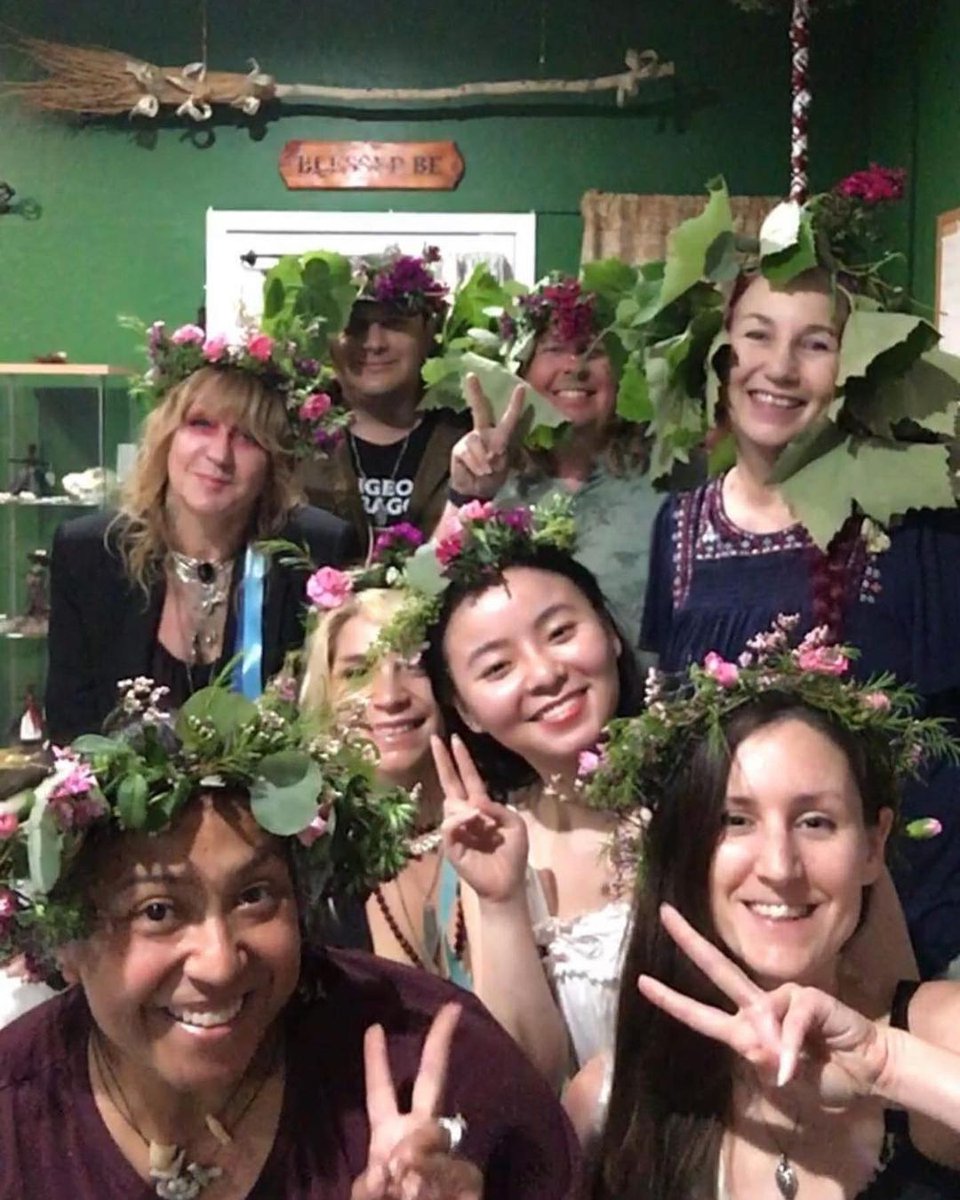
156, 337
520, 519
401, 536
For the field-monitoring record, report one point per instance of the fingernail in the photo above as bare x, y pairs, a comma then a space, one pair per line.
783, 1074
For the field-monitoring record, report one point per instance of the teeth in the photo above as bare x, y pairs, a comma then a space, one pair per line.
777, 401
205, 1020
781, 912
559, 712
570, 395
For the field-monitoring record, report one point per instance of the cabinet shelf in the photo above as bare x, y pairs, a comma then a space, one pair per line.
70, 417
47, 502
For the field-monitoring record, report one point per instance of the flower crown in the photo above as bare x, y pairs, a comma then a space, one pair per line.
485, 541
632, 768
330, 588
348, 833
836, 230
281, 363
403, 281
558, 302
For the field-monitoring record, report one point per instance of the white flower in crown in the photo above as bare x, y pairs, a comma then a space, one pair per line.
780, 229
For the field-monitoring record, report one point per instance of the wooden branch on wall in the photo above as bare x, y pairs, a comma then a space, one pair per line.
97, 82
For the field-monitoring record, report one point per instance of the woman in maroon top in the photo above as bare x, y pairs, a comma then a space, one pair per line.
202, 1051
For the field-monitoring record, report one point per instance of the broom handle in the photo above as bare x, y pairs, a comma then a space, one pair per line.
645, 66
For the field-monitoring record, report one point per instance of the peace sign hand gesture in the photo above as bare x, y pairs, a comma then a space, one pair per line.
790, 1032
485, 842
410, 1156
479, 462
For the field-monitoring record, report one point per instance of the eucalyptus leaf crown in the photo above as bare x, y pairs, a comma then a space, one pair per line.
632, 769
284, 365
347, 832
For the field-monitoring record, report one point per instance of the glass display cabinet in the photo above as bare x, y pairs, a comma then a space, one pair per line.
65, 434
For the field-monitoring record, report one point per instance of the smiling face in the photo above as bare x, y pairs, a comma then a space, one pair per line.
788, 872
534, 666
196, 948
786, 357
216, 469
575, 376
380, 353
397, 707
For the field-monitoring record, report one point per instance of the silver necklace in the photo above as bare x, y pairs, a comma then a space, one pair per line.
172, 1175
378, 517
784, 1173
206, 586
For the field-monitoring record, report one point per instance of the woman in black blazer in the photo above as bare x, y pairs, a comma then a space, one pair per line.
171, 586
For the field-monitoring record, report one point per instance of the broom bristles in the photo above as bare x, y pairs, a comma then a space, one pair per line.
89, 80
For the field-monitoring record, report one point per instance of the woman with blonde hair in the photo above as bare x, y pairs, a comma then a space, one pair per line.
417, 917
172, 585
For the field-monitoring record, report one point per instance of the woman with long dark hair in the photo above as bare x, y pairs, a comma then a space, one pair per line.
528, 666
753, 1058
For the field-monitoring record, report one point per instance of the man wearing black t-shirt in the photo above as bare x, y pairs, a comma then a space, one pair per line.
393, 464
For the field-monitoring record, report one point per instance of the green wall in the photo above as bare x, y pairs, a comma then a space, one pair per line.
123, 203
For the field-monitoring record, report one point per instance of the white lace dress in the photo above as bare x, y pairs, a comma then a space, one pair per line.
582, 957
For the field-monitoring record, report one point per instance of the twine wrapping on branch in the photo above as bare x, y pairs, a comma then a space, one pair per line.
800, 99
99, 82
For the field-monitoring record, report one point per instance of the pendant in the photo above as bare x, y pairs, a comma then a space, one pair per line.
431, 934
785, 1178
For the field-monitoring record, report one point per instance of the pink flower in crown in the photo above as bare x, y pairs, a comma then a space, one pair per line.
476, 510
9, 824
725, 673
879, 701
923, 828
449, 548
316, 829
588, 761
328, 587
823, 660
8, 907
74, 777
260, 347
188, 335
315, 407
215, 348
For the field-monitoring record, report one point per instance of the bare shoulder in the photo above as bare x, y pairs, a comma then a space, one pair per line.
934, 1013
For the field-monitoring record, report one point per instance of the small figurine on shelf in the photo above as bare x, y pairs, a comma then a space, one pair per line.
36, 616
29, 730
33, 476
35, 619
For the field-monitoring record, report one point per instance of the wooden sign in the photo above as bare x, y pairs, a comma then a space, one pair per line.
401, 165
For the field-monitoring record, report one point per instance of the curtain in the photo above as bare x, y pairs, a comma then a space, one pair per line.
634, 228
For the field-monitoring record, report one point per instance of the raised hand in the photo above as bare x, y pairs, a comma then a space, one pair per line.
790, 1032
485, 842
479, 462
409, 1157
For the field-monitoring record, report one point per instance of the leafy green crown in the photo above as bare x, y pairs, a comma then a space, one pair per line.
348, 833
631, 770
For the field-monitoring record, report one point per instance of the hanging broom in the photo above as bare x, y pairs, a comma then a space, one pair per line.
96, 82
